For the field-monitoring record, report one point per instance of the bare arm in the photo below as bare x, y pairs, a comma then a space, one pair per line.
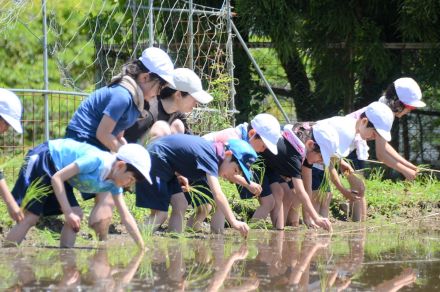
105, 136
334, 177
391, 158
128, 220
307, 204
253, 187
223, 205
13, 208
57, 181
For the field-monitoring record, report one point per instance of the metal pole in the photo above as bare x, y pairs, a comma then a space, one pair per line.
243, 43
45, 72
230, 60
191, 36
151, 28
134, 29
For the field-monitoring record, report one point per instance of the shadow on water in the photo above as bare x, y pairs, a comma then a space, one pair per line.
355, 257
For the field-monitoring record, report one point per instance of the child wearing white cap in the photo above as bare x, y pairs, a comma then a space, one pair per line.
401, 96
102, 118
302, 145
57, 166
261, 133
10, 115
373, 124
166, 114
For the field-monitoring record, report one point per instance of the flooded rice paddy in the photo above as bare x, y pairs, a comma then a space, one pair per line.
393, 257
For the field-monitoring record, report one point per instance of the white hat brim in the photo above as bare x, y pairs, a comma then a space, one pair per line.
270, 145
168, 78
202, 97
14, 123
417, 103
386, 135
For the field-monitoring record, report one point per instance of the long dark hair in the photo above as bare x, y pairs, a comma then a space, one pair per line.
134, 68
392, 100
167, 92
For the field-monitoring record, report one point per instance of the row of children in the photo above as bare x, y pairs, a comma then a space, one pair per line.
146, 102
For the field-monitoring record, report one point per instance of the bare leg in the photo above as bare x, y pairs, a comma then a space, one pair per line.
360, 206
267, 203
277, 214
294, 213
19, 231
201, 212
179, 205
156, 218
218, 222
325, 205
68, 235
101, 215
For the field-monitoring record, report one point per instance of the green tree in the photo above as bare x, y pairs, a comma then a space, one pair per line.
333, 51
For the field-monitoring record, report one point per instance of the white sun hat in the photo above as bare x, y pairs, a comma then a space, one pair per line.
186, 80
381, 116
268, 127
408, 92
158, 62
10, 109
327, 139
137, 156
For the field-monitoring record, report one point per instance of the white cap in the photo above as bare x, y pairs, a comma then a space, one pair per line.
186, 80
137, 156
10, 109
381, 117
327, 139
408, 92
268, 127
158, 62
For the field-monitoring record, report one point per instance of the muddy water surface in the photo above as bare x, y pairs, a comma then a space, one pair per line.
394, 257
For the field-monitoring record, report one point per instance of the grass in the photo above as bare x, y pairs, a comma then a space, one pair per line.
385, 199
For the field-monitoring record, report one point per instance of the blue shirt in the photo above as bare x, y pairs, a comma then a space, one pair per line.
94, 165
190, 156
114, 101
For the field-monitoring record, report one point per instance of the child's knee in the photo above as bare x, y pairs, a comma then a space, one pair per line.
30, 219
204, 209
268, 202
177, 127
160, 129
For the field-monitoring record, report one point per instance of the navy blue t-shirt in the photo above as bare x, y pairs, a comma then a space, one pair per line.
288, 162
114, 101
190, 156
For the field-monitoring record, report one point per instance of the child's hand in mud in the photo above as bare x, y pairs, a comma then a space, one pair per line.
242, 227
255, 188
74, 221
15, 212
308, 221
324, 223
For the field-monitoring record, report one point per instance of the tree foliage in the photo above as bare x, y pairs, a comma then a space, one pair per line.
333, 51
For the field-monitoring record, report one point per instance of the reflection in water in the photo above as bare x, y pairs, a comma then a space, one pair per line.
281, 260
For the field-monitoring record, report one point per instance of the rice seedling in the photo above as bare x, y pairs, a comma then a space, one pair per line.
36, 192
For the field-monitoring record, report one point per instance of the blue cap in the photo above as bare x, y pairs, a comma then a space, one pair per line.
245, 155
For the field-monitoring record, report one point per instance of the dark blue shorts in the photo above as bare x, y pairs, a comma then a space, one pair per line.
158, 195
318, 179
355, 162
39, 166
81, 137
202, 195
